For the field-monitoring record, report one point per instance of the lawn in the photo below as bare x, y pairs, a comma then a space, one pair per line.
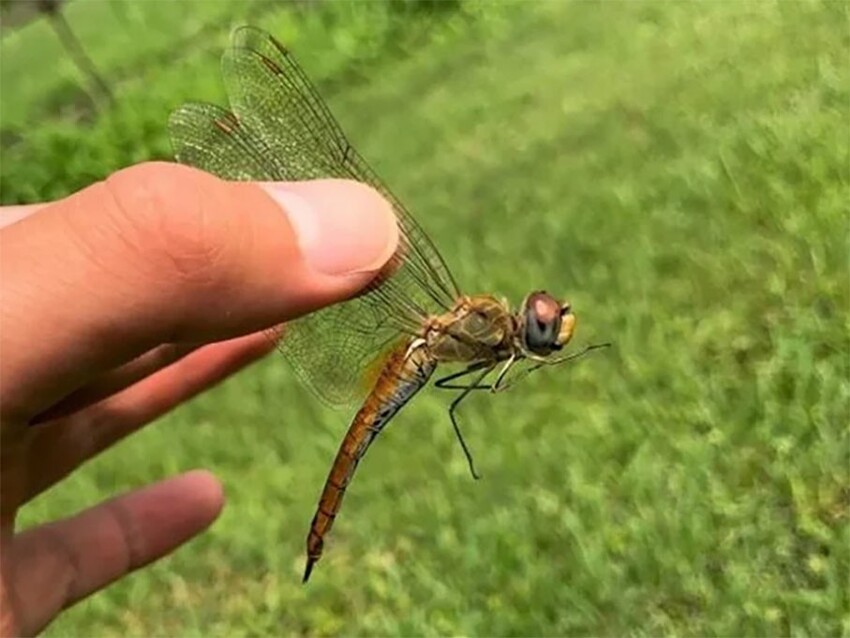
120, 36
680, 172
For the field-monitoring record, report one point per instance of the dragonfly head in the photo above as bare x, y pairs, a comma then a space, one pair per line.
547, 324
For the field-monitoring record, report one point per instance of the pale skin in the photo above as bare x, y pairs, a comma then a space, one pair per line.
119, 303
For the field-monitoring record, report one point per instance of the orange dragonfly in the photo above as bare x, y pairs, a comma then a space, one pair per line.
279, 128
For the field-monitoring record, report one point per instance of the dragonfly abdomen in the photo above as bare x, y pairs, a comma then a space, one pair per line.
405, 372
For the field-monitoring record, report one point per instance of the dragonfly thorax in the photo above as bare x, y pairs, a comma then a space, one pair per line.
477, 328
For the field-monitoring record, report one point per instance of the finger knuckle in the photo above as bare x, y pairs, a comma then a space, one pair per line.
168, 214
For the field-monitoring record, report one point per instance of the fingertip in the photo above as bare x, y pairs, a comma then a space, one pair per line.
205, 490
343, 227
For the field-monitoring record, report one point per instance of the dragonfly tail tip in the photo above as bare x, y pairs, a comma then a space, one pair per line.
308, 569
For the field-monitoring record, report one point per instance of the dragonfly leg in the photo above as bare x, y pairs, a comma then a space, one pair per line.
445, 382
498, 384
474, 386
519, 377
575, 355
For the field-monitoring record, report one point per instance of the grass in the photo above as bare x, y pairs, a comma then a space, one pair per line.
680, 172
118, 35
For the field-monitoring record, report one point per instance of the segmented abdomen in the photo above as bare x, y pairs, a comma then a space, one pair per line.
402, 376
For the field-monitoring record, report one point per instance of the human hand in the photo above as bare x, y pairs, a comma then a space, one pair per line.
118, 304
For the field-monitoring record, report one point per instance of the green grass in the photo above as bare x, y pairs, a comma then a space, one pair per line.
118, 35
680, 172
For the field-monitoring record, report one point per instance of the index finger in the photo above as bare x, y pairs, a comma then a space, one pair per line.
162, 253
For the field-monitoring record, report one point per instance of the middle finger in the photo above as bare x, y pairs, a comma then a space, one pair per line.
59, 446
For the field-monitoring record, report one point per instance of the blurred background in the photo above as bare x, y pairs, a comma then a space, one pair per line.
679, 171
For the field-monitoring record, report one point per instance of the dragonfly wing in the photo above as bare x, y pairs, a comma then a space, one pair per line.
210, 138
280, 129
331, 350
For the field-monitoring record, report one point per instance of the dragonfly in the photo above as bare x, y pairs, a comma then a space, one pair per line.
383, 346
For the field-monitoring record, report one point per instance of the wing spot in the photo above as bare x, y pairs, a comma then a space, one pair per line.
227, 123
270, 64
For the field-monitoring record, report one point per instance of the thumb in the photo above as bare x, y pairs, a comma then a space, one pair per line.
163, 253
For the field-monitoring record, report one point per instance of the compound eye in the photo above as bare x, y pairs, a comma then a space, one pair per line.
542, 324
540, 336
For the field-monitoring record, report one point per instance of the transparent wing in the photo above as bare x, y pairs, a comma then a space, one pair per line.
279, 128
